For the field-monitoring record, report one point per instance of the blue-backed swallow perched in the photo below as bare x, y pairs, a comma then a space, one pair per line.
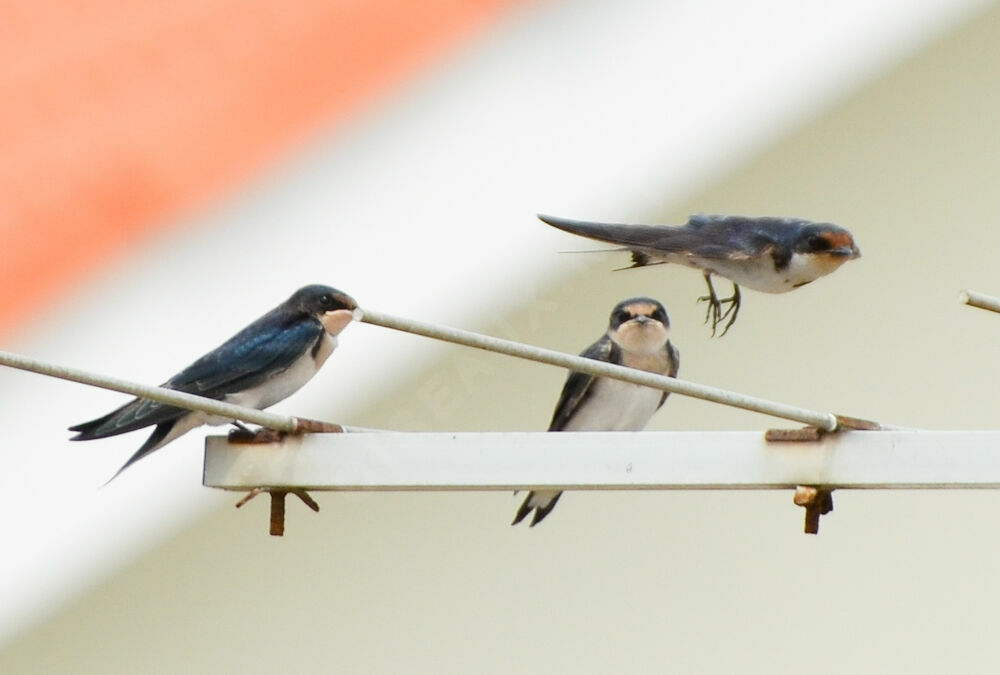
772, 255
637, 337
264, 363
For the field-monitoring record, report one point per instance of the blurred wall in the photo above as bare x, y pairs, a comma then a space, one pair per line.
121, 117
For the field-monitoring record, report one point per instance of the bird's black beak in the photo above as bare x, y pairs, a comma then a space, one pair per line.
348, 301
849, 252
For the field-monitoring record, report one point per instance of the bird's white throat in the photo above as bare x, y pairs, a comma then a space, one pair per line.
641, 338
335, 321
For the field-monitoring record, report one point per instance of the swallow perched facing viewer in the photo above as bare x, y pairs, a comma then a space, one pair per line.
264, 363
637, 337
772, 255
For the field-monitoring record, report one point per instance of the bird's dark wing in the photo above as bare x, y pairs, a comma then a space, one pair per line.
704, 236
135, 414
261, 350
741, 247
660, 238
675, 364
740, 237
578, 385
264, 348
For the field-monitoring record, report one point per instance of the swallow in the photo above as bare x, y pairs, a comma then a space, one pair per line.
638, 337
771, 255
264, 363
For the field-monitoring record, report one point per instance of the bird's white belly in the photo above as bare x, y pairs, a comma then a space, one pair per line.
760, 274
616, 406
285, 383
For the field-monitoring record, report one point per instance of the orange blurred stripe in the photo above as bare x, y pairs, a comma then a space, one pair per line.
118, 116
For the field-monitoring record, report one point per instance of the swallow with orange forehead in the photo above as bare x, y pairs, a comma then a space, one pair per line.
637, 337
771, 255
263, 364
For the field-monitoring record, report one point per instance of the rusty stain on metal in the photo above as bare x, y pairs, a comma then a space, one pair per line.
792, 435
250, 495
856, 423
242, 435
277, 521
817, 501
278, 513
303, 425
812, 433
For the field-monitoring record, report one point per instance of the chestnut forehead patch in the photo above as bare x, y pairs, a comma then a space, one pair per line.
641, 308
839, 239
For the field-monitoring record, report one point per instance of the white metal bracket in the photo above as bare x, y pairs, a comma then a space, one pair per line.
668, 460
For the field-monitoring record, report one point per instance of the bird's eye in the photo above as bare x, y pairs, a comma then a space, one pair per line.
326, 301
818, 243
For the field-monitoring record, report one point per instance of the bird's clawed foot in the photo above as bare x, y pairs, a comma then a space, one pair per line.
714, 314
277, 527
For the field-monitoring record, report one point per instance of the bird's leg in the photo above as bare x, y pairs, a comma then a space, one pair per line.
712, 313
734, 308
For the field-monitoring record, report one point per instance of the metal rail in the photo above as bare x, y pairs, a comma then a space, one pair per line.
823, 420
